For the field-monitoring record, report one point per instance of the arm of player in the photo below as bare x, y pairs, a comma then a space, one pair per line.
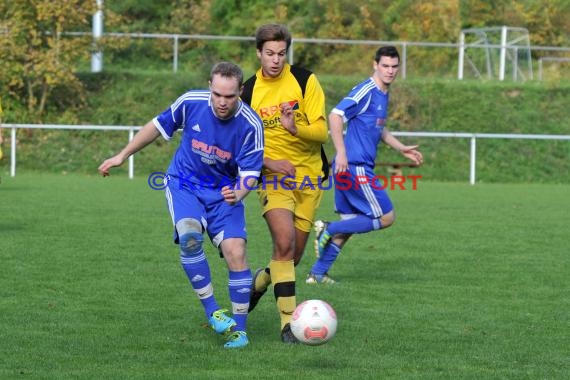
234, 195
316, 131
314, 102
314, 105
408, 151
145, 136
336, 126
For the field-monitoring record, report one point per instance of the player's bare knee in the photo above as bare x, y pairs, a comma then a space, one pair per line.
234, 252
283, 250
388, 219
190, 236
340, 239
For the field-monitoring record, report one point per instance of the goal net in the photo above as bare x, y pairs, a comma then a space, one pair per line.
495, 53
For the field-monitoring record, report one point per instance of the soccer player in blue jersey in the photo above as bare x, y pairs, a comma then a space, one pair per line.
216, 165
362, 203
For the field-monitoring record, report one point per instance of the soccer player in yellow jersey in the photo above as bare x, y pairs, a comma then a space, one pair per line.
291, 104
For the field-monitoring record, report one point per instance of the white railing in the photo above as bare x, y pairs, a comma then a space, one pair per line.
549, 59
404, 45
473, 139
131, 129
13, 128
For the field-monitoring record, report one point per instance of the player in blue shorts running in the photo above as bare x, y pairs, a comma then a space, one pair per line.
360, 199
216, 165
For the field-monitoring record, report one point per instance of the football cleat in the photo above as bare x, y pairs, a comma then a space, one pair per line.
220, 322
237, 339
322, 237
255, 295
320, 279
287, 335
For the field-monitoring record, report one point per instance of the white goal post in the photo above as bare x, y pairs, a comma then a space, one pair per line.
481, 48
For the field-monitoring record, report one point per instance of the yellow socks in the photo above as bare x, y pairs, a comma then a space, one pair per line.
262, 281
283, 279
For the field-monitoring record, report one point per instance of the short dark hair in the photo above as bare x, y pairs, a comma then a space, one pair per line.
227, 70
272, 32
386, 51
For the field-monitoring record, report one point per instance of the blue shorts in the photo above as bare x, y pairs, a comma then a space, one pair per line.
219, 219
359, 191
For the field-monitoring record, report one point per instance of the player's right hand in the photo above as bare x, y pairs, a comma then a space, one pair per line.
340, 163
108, 164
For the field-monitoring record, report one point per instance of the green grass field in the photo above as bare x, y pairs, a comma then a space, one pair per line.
470, 283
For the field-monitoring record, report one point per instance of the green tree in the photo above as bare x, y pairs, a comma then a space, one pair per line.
222, 17
35, 55
547, 21
141, 15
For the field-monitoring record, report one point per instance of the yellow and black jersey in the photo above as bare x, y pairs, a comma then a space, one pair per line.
301, 89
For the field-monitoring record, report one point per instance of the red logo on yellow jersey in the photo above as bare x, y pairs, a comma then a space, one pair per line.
293, 103
267, 112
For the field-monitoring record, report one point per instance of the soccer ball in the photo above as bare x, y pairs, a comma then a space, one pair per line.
314, 322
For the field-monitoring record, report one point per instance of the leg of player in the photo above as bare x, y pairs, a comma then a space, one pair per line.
301, 238
194, 263
282, 267
340, 232
319, 271
239, 285
262, 276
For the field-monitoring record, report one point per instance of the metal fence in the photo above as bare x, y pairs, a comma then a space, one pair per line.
452, 67
473, 137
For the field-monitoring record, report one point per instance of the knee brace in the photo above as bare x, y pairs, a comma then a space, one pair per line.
190, 236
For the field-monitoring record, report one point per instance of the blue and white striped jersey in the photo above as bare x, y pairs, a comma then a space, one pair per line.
213, 152
365, 110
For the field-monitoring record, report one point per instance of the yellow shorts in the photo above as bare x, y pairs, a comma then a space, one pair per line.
302, 203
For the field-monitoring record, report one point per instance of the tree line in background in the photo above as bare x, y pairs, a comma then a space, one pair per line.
37, 61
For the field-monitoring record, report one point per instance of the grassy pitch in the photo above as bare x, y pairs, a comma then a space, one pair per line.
471, 282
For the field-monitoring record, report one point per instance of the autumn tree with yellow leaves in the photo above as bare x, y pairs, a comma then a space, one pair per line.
36, 56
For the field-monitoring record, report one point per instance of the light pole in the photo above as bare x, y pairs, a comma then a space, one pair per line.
97, 55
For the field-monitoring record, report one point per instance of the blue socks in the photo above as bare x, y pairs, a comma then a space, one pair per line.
326, 260
357, 225
198, 272
239, 286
